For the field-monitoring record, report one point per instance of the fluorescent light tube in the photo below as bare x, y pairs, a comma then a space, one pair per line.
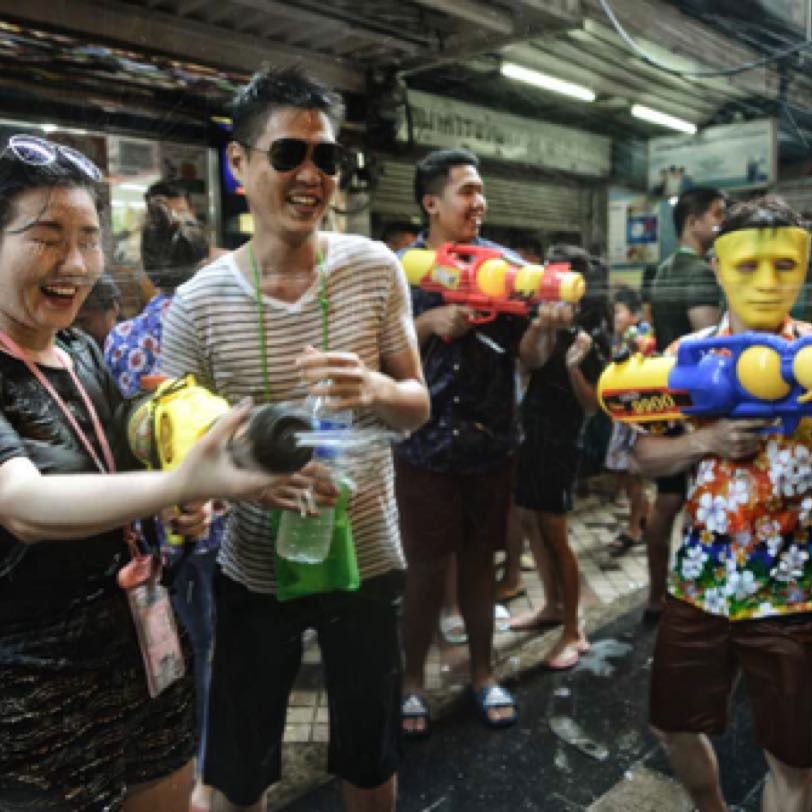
663, 119
543, 80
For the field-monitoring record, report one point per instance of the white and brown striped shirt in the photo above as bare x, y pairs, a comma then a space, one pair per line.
212, 331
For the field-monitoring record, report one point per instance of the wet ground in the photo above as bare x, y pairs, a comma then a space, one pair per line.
581, 742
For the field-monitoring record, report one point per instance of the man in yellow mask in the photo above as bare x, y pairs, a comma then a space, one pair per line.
740, 592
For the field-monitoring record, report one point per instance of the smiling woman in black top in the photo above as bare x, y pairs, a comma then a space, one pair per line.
78, 730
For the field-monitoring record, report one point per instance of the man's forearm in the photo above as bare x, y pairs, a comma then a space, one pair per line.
665, 456
424, 327
536, 346
403, 405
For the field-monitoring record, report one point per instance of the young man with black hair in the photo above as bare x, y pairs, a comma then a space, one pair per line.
739, 593
248, 325
454, 476
684, 297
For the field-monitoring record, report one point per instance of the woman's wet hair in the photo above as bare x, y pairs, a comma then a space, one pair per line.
595, 309
17, 176
171, 248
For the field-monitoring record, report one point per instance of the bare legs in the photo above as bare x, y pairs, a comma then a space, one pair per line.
558, 569
658, 545
787, 789
378, 799
425, 591
638, 504
168, 794
694, 762
510, 584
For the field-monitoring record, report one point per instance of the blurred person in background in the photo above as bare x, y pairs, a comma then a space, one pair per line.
100, 311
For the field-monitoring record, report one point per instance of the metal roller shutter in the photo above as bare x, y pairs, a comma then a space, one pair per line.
512, 202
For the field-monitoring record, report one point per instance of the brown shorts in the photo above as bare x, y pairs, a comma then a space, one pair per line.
698, 659
442, 513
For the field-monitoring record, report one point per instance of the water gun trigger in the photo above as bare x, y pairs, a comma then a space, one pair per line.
482, 316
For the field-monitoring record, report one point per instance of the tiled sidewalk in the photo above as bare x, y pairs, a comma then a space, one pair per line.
609, 587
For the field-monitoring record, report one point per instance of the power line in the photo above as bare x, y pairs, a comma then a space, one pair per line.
778, 55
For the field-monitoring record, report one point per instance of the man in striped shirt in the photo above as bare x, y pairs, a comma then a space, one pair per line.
248, 324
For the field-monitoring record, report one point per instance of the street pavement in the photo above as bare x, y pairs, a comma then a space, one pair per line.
582, 741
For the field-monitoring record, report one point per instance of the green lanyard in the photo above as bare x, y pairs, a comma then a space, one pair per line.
324, 305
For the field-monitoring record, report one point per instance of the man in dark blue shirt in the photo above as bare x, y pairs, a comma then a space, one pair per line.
454, 476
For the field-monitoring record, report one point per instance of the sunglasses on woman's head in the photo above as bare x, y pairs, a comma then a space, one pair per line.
38, 152
285, 154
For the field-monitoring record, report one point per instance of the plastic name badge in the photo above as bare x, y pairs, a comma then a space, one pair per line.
337, 572
154, 623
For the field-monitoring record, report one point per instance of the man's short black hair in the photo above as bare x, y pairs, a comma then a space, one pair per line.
769, 211
431, 173
273, 89
166, 188
695, 202
630, 298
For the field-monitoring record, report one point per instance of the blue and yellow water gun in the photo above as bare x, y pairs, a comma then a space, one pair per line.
747, 375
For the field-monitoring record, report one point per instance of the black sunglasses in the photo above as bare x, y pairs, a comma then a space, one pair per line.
286, 154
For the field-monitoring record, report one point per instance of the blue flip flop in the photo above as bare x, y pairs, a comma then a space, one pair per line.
414, 707
495, 696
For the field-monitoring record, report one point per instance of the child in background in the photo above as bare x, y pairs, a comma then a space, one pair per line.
632, 335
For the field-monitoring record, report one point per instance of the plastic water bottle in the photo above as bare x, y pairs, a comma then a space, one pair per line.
304, 537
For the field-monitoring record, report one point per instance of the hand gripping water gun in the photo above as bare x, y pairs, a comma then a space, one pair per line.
747, 375
168, 418
488, 280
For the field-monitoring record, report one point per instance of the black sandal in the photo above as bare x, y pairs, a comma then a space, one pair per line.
414, 708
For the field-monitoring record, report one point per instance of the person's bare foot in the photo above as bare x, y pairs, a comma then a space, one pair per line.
536, 621
566, 652
507, 592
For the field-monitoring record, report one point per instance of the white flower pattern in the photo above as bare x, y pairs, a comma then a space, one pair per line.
712, 512
693, 563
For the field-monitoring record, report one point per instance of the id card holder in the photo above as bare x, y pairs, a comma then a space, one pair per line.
154, 621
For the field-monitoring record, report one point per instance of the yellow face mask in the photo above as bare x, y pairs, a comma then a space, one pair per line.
761, 271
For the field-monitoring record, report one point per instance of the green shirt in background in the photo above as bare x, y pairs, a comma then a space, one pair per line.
683, 281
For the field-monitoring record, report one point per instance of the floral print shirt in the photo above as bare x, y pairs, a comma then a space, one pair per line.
132, 346
132, 350
747, 537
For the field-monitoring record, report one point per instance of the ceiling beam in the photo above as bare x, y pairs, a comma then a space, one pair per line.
342, 24
569, 11
473, 12
561, 63
187, 7
162, 33
674, 38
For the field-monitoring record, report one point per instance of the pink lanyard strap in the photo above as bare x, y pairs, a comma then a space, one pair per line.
20, 355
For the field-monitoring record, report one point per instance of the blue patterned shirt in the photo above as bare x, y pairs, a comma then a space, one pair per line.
131, 351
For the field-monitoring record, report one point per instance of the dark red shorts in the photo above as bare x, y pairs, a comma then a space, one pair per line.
442, 513
698, 659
